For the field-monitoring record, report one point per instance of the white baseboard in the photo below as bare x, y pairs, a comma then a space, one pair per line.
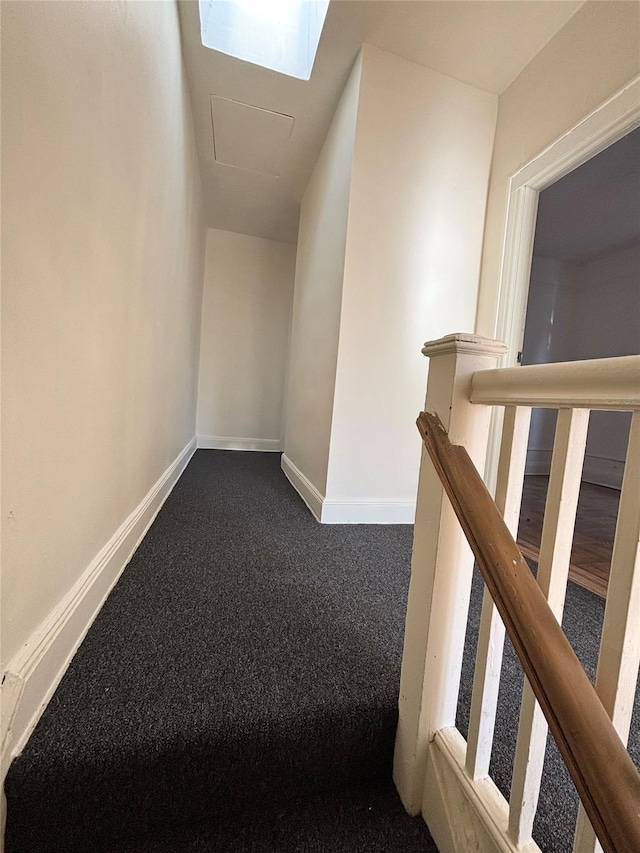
596, 470
224, 442
538, 462
34, 673
462, 814
603, 472
304, 487
368, 512
346, 512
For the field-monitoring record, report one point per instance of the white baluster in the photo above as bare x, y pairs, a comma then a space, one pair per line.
619, 659
553, 571
486, 682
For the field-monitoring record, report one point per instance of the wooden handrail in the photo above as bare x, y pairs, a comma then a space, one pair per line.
602, 771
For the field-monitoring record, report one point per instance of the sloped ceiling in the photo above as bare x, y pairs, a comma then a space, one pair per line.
485, 44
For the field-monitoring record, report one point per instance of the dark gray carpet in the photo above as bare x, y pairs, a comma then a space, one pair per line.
248, 655
354, 820
238, 690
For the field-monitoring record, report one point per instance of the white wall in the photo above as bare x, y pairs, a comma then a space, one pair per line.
322, 236
388, 257
550, 287
550, 280
246, 313
102, 251
579, 311
603, 317
607, 325
416, 217
590, 59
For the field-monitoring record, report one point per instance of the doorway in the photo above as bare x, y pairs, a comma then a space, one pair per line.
584, 302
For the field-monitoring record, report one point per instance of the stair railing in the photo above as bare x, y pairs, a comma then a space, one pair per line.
435, 770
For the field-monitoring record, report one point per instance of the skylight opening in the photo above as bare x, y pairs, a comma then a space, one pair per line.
282, 35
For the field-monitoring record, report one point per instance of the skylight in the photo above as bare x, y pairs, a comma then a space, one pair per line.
282, 35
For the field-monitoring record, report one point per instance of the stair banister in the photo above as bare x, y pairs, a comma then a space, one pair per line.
602, 383
441, 568
605, 384
436, 770
602, 771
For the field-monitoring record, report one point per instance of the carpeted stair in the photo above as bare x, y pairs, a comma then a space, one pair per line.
238, 690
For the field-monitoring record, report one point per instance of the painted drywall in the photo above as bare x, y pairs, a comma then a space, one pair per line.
485, 44
246, 314
607, 324
579, 311
102, 256
416, 217
605, 309
593, 56
317, 298
550, 287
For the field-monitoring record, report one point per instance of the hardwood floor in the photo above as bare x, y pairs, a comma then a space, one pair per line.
594, 532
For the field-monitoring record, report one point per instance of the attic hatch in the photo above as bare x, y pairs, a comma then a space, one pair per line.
282, 35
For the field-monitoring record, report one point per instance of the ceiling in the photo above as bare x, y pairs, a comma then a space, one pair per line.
480, 42
595, 209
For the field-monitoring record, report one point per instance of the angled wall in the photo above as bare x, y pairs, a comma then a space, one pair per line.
315, 328
409, 227
416, 217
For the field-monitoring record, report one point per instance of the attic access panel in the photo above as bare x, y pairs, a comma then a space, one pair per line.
249, 137
282, 35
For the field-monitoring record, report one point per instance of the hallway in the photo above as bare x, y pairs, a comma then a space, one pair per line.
248, 657
238, 691
203, 252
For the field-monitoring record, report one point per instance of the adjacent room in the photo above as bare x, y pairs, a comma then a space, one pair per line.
584, 303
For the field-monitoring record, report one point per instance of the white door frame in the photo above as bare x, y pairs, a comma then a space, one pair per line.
608, 123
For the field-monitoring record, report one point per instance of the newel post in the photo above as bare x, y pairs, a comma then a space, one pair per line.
441, 566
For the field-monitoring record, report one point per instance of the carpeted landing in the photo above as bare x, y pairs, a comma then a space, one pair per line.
238, 691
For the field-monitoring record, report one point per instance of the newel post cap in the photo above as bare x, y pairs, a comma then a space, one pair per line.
464, 343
